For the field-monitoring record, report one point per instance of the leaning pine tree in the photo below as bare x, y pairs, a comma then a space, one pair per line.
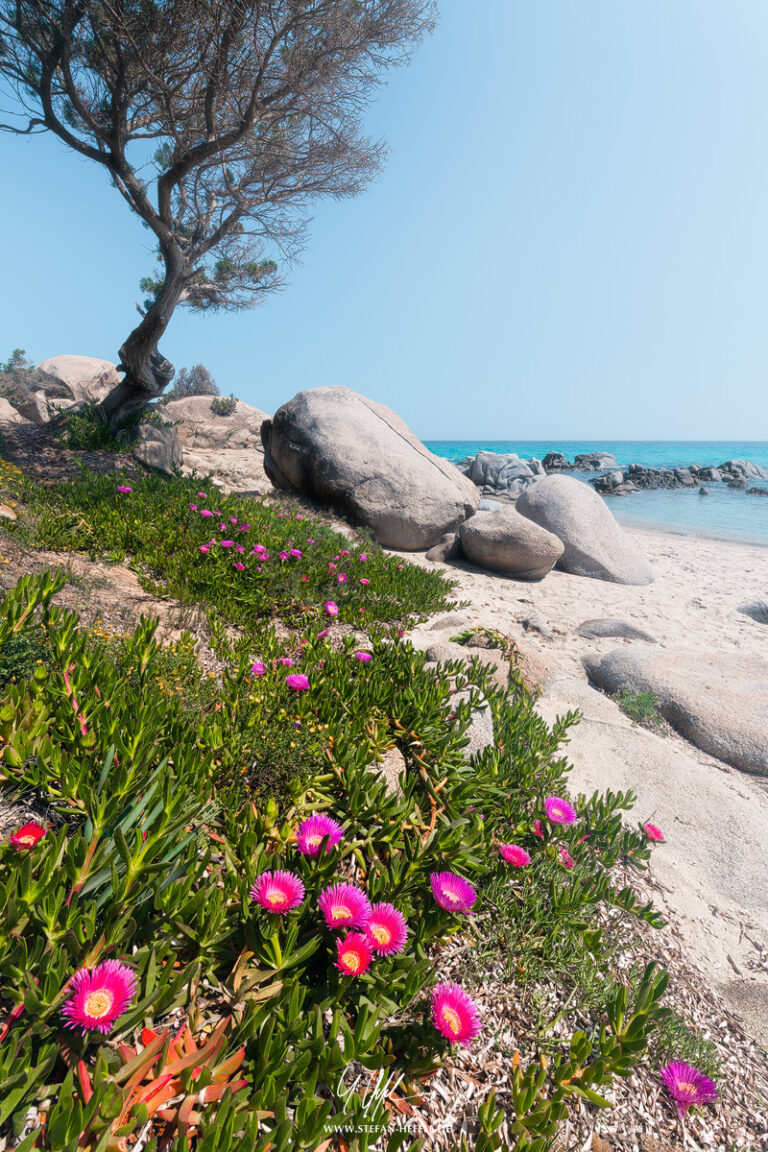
219, 121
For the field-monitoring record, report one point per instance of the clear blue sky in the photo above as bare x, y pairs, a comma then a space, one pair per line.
570, 238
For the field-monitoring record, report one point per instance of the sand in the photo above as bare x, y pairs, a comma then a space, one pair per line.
713, 865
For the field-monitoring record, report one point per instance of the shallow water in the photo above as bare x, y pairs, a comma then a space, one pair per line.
725, 514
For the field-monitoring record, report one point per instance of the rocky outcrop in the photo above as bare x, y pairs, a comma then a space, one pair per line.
503, 474
716, 699
617, 629
85, 377
157, 447
595, 545
345, 450
9, 414
594, 461
556, 462
228, 448
757, 491
508, 543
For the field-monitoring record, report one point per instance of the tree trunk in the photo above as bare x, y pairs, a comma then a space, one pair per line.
147, 372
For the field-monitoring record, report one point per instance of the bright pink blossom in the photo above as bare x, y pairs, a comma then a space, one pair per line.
687, 1086
566, 857
538, 829
559, 811
345, 906
653, 833
98, 996
204, 512
298, 682
240, 567
278, 892
365, 580
363, 657
27, 836
353, 954
515, 855
124, 489
258, 669
296, 553
387, 930
204, 548
455, 1014
453, 892
331, 608
342, 578
312, 831
227, 543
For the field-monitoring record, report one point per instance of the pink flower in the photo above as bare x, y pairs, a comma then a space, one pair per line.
353, 954
259, 548
285, 661
687, 1086
245, 527
559, 811
387, 930
344, 906
566, 857
323, 634
98, 996
283, 555
363, 557
278, 891
203, 495
193, 507
365, 580
304, 579
124, 489
27, 836
240, 567
538, 829
258, 669
312, 831
331, 567
331, 608
342, 578
400, 566
653, 833
222, 527
204, 548
344, 552
227, 543
239, 548
363, 657
454, 1014
205, 512
453, 892
298, 682
296, 553
233, 519
515, 855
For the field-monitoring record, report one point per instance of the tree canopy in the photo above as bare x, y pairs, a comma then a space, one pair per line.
220, 122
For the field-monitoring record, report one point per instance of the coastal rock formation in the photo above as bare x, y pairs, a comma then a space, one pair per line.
157, 447
556, 462
617, 629
85, 377
503, 473
595, 545
9, 414
757, 611
507, 542
757, 491
227, 447
717, 699
594, 461
345, 450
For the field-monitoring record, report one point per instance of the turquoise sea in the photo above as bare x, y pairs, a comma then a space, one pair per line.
725, 514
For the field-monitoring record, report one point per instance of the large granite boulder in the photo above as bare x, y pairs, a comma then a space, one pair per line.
86, 377
594, 461
507, 542
9, 414
503, 473
345, 450
157, 447
717, 699
595, 545
228, 448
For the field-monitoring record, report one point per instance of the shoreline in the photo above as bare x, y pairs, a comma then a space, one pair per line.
667, 530
712, 865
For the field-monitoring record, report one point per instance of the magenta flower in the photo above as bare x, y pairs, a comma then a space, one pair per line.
259, 548
124, 489
365, 580
342, 578
239, 548
331, 608
515, 855
312, 831
363, 657
233, 519
453, 892
203, 495
653, 833
222, 527
559, 811
27, 836
322, 634
331, 567
278, 891
258, 669
387, 930
687, 1086
353, 954
204, 548
454, 1014
240, 567
538, 829
193, 507
344, 552
205, 512
566, 857
363, 557
245, 527
283, 555
296, 553
98, 996
400, 566
297, 681
345, 906
227, 543
285, 661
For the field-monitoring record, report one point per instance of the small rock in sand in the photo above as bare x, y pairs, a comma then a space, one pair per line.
620, 629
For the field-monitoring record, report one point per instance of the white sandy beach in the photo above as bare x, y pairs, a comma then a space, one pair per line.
715, 818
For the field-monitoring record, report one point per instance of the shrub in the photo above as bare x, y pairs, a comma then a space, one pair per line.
641, 707
223, 405
86, 430
194, 381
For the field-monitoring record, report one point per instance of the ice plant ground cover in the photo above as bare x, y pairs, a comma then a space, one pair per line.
171, 835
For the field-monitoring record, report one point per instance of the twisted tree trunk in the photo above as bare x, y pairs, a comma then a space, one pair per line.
147, 372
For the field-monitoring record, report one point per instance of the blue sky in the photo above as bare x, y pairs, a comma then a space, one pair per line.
570, 238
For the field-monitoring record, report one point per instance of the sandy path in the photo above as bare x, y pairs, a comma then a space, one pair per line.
714, 864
